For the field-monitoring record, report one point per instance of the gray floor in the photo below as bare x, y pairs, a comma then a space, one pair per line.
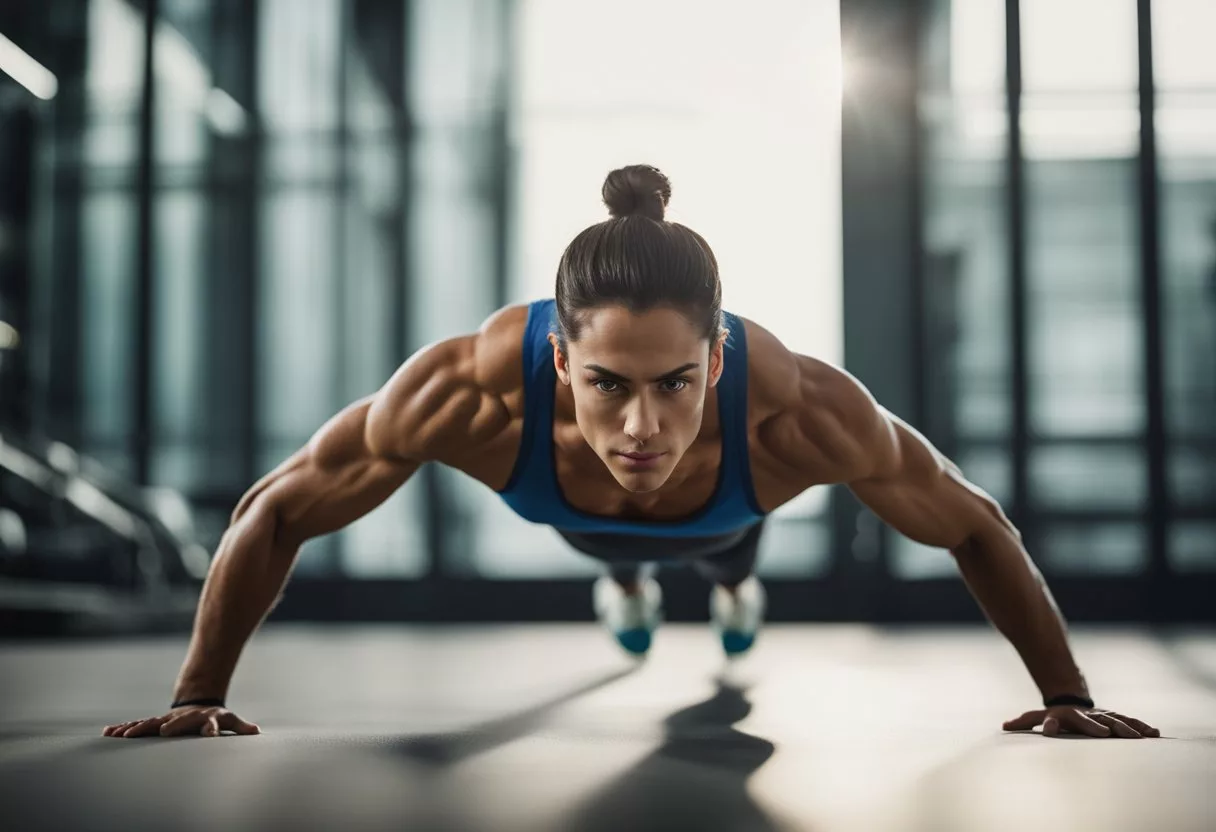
825, 727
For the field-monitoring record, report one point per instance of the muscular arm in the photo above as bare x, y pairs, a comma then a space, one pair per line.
916, 490
352, 465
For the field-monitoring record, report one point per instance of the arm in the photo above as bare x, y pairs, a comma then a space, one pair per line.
336, 478
916, 490
922, 494
352, 465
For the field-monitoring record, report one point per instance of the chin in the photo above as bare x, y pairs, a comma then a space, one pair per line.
641, 482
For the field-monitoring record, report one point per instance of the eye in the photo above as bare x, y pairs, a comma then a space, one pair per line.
679, 383
611, 387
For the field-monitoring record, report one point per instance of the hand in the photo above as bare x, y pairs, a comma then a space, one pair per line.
1071, 719
190, 719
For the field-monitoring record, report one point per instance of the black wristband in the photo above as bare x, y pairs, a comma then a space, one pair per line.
1069, 699
210, 703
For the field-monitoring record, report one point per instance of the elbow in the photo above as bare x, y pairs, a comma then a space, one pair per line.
992, 531
259, 527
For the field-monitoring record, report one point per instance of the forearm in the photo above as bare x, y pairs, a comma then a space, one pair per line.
247, 575
1012, 593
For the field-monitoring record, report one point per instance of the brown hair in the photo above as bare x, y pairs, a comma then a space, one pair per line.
638, 260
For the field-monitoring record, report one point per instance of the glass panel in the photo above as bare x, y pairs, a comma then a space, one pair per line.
1085, 331
298, 330
1066, 477
1085, 339
793, 548
797, 539
1079, 75
1186, 139
107, 347
1193, 547
298, 69
1080, 120
964, 124
912, 561
1192, 470
180, 351
113, 84
772, 215
183, 90
1093, 549
108, 230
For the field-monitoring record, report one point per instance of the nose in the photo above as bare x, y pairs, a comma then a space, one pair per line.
641, 420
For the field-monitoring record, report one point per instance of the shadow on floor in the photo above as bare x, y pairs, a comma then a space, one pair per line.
448, 749
696, 779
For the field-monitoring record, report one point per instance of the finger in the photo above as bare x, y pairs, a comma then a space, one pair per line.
113, 730
1025, 722
131, 728
1144, 728
1051, 727
186, 723
1120, 728
211, 727
146, 727
232, 722
1082, 724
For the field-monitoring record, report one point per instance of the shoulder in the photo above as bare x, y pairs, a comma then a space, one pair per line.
772, 370
816, 416
454, 393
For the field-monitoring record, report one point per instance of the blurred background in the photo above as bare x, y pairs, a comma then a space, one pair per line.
223, 220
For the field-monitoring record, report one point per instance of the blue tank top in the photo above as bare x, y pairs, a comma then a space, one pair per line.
533, 493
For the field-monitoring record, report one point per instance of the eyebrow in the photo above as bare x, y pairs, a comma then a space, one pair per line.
604, 371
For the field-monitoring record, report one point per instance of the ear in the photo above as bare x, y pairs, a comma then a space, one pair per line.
717, 357
559, 360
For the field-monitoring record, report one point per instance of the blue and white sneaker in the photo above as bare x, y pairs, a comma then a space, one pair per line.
632, 619
736, 617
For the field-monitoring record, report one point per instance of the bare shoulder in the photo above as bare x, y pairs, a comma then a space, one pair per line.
815, 420
453, 395
772, 372
841, 421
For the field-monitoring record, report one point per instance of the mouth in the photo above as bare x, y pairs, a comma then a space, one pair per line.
633, 460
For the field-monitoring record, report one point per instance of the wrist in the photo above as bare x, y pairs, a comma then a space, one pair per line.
202, 701
1065, 684
1080, 701
199, 689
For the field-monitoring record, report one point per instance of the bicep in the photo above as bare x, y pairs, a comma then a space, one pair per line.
332, 481
431, 405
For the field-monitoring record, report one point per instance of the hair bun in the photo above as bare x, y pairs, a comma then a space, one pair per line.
637, 189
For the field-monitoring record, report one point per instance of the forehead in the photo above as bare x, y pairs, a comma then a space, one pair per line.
656, 335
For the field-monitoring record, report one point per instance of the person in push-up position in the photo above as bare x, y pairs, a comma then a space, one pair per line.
645, 424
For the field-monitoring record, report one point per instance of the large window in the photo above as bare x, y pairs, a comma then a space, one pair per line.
1186, 138
1082, 208
276, 227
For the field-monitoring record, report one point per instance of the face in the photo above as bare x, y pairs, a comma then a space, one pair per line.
639, 382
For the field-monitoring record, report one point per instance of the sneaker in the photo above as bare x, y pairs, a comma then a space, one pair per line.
632, 619
736, 617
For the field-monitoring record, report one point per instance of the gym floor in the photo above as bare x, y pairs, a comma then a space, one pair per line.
549, 727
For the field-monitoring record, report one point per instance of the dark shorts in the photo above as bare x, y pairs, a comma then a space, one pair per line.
724, 559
